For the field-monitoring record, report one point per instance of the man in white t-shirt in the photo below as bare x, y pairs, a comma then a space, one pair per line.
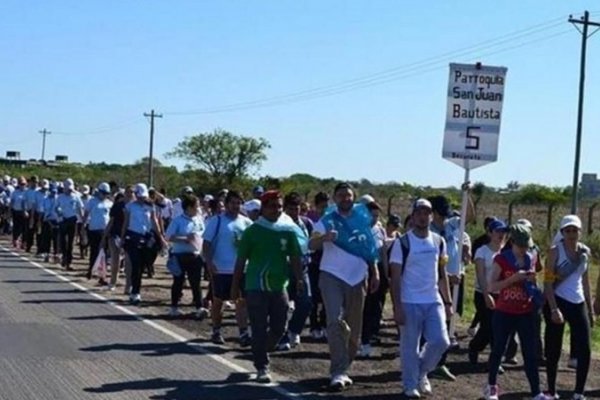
343, 285
422, 301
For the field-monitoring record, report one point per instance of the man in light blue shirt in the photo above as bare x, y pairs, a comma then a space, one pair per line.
69, 208
19, 213
97, 211
50, 225
222, 234
30, 208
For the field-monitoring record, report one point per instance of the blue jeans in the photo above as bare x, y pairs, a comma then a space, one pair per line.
302, 304
504, 326
427, 321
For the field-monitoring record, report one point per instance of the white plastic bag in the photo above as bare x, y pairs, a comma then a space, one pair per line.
99, 268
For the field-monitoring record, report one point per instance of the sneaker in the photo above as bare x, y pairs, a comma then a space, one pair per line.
135, 299
111, 288
294, 339
578, 396
263, 376
425, 386
444, 373
347, 380
511, 361
217, 338
412, 394
472, 332
245, 339
501, 370
491, 392
365, 351
201, 313
572, 363
316, 334
542, 396
283, 346
174, 312
337, 383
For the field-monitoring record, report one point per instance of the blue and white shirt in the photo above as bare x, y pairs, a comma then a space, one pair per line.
98, 213
69, 205
185, 225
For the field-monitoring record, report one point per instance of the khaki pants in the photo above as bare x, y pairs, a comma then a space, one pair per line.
115, 264
344, 308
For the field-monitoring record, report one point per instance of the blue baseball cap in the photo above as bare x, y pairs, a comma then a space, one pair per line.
497, 225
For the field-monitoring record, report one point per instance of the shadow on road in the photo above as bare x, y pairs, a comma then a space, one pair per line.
160, 349
236, 387
61, 301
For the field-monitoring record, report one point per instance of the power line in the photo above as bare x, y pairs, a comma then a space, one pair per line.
409, 72
102, 129
379, 77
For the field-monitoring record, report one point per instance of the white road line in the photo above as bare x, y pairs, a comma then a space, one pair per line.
199, 347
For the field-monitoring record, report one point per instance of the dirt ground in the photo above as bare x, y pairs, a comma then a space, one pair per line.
376, 378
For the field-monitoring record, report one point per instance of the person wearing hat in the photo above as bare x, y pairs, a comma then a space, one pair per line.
252, 209
269, 251
257, 192
485, 299
177, 206
569, 300
19, 213
70, 209
513, 277
50, 225
140, 233
374, 302
97, 212
38, 214
31, 209
422, 300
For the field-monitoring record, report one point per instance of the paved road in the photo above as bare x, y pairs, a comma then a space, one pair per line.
57, 342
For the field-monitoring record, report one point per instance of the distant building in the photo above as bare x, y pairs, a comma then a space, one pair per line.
590, 185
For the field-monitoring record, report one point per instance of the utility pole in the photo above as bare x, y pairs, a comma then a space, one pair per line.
44, 133
586, 23
152, 115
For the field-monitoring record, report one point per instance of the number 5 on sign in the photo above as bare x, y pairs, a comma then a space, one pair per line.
472, 138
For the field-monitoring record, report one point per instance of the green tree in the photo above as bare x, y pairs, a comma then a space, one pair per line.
222, 154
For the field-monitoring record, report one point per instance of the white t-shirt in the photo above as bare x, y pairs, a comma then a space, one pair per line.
571, 289
167, 211
420, 275
486, 254
339, 263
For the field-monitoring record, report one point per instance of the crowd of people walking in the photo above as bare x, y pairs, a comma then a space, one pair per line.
338, 260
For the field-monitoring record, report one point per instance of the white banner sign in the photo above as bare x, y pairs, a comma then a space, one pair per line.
475, 97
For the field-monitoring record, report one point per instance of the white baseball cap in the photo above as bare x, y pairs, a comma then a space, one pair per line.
252, 205
104, 188
141, 190
208, 198
570, 220
422, 203
45, 184
85, 189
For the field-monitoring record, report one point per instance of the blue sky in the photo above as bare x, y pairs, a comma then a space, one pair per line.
88, 70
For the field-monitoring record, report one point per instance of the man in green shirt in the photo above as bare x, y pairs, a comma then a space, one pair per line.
269, 247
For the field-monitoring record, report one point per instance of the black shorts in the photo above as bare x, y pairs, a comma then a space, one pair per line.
221, 286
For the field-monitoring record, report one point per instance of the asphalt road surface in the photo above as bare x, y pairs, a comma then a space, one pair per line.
59, 342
